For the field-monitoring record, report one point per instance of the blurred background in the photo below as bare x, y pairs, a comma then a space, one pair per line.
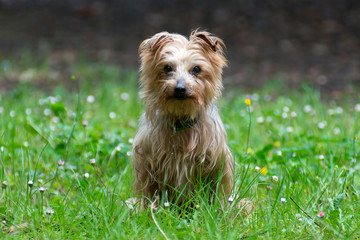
303, 41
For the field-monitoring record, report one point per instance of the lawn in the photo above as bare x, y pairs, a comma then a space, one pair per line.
296, 153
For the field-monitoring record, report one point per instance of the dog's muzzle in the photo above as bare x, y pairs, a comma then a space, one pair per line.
180, 90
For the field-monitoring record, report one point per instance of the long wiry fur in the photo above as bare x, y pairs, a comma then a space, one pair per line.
164, 161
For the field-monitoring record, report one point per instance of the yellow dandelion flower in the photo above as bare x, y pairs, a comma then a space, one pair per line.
247, 102
277, 144
263, 171
250, 151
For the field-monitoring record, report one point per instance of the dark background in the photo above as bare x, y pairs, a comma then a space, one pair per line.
313, 41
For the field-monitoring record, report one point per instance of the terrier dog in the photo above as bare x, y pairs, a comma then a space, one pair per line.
181, 140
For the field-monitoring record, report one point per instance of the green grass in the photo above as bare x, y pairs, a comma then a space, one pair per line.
315, 156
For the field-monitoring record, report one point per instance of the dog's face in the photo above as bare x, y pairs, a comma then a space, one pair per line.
180, 77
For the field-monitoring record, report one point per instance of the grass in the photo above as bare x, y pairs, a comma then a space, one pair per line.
307, 150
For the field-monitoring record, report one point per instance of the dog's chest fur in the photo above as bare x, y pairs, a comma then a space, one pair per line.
176, 159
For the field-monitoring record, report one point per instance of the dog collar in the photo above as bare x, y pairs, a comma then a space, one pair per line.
181, 125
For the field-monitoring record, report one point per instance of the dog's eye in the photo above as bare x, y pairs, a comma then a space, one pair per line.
196, 70
168, 69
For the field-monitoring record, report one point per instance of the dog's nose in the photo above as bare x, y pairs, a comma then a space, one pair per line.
180, 89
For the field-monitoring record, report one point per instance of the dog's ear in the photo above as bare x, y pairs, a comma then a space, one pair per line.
155, 43
212, 45
209, 40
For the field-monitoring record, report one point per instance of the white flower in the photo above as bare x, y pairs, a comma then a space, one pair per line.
26, 144
331, 112
30, 183
283, 200
231, 199
52, 99
129, 153
286, 109
357, 107
320, 157
90, 99
41, 101
293, 114
49, 211
46, 112
298, 216
269, 119
86, 175
28, 111
131, 140
275, 178
288, 102
2, 148
336, 131
260, 119
1, 110
255, 96
257, 168
125, 96
42, 189
322, 124
118, 148
166, 204
12, 113
289, 129
339, 110
307, 108
294, 154
279, 153
112, 115
284, 115
55, 119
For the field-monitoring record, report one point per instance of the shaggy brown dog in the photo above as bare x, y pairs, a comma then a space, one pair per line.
181, 139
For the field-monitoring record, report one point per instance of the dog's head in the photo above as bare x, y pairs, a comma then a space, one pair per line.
180, 77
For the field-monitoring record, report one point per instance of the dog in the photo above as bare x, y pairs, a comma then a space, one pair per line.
181, 140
